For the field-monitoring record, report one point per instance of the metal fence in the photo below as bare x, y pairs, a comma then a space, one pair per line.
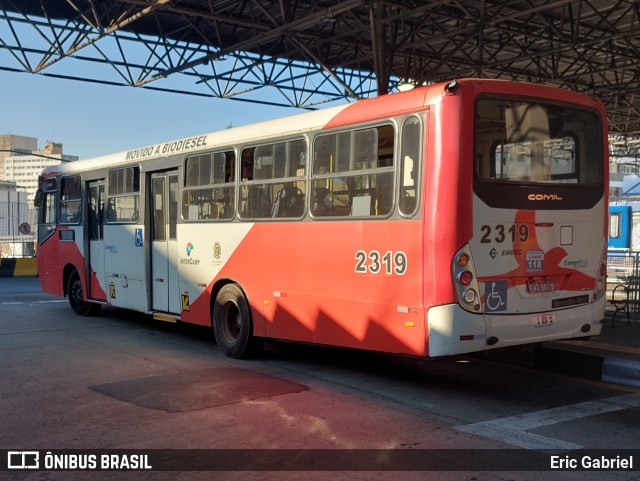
18, 229
623, 282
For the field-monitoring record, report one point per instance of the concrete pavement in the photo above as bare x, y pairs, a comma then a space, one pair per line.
613, 356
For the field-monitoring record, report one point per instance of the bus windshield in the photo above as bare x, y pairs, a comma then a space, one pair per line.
519, 141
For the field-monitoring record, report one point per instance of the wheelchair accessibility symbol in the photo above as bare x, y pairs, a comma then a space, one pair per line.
495, 294
138, 237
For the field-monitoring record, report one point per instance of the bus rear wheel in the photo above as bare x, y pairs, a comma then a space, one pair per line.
232, 323
76, 297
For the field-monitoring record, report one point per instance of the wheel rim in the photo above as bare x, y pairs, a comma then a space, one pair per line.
231, 322
76, 292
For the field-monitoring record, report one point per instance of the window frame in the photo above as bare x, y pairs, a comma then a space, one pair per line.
229, 184
552, 195
134, 192
287, 183
65, 202
316, 176
419, 172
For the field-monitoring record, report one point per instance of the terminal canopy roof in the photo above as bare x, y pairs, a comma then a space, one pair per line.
308, 52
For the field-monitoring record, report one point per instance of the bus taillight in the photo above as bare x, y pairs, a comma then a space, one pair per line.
465, 280
601, 281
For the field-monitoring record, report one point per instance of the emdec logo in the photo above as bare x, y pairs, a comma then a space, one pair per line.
23, 460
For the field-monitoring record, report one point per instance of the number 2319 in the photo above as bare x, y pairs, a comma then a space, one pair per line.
501, 233
375, 263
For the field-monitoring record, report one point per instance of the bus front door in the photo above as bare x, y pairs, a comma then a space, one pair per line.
164, 244
95, 234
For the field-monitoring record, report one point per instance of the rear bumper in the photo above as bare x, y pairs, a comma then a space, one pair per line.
452, 330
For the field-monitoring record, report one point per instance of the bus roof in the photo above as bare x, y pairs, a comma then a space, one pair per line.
362, 111
368, 110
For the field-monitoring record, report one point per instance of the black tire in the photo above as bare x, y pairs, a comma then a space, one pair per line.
232, 324
76, 297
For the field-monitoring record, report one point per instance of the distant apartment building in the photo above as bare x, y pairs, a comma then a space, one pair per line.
15, 145
20, 166
24, 169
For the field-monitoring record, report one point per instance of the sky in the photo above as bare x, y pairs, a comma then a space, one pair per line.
91, 119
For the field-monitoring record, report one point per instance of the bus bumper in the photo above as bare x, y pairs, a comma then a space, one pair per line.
452, 330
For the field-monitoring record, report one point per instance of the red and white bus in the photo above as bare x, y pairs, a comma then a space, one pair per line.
448, 219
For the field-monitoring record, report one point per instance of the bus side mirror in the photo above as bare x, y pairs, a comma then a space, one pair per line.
38, 198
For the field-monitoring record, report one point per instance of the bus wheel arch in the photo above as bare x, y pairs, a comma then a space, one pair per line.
232, 321
66, 273
74, 290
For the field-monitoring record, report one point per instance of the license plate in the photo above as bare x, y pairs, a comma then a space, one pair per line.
540, 286
543, 320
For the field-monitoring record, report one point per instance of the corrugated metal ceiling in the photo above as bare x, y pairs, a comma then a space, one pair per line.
319, 51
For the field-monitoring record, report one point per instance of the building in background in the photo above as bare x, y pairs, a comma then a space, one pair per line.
20, 166
24, 169
13, 145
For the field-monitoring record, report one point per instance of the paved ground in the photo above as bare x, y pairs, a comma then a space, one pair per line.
121, 381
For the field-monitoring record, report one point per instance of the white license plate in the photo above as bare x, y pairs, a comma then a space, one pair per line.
540, 286
543, 320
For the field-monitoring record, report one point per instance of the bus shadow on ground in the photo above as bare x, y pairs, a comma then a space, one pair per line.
199, 389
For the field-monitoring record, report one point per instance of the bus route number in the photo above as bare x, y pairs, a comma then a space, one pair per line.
375, 263
500, 233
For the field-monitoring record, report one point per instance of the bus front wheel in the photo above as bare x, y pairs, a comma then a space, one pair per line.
76, 297
232, 323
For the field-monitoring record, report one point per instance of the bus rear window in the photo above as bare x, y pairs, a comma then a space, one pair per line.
536, 143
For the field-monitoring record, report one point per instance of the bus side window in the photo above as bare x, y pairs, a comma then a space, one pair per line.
49, 208
209, 191
353, 173
70, 200
124, 195
273, 184
47, 216
410, 166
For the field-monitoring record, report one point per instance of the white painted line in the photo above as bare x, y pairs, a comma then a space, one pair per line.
513, 430
20, 303
621, 371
